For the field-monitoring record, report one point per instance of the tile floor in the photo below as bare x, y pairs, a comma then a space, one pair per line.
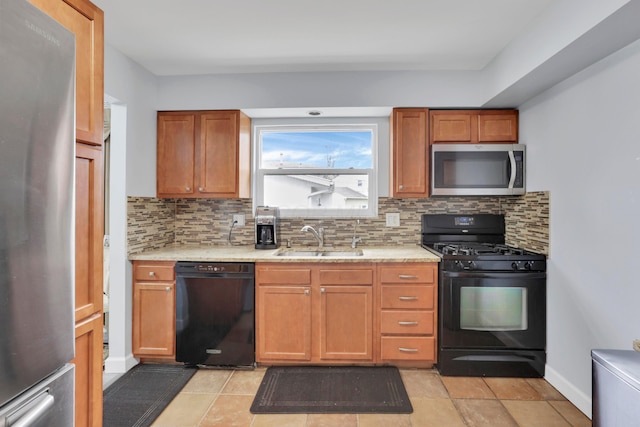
223, 398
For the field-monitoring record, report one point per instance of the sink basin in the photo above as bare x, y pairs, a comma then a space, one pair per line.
316, 253
297, 253
341, 253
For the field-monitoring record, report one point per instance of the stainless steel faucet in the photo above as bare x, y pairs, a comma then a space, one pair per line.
319, 235
355, 240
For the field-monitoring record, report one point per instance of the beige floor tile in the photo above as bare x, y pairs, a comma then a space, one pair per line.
572, 414
467, 388
484, 412
435, 413
185, 410
244, 382
534, 413
512, 388
279, 420
544, 389
332, 420
423, 383
384, 420
229, 411
207, 381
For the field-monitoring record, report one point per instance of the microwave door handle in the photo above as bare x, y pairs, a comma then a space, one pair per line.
512, 160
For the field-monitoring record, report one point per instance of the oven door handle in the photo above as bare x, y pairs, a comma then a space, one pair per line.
494, 274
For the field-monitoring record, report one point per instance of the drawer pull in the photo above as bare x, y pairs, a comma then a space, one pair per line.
407, 276
408, 350
403, 323
151, 274
408, 298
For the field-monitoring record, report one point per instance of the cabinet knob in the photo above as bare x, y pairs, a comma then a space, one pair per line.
401, 187
201, 189
323, 290
152, 273
168, 288
306, 291
188, 188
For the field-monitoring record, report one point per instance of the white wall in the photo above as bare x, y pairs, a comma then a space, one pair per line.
133, 92
583, 146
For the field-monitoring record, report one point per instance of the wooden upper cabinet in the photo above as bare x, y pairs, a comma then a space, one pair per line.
410, 152
176, 154
86, 21
498, 126
473, 126
204, 154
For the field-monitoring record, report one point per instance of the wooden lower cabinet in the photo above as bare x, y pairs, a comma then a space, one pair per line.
408, 307
346, 320
310, 313
283, 320
154, 308
88, 371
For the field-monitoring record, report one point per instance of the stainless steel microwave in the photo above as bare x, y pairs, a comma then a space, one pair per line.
477, 169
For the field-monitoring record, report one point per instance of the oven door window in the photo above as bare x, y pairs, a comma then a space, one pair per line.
493, 309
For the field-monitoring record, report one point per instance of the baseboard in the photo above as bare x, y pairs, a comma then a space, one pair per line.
572, 393
119, 365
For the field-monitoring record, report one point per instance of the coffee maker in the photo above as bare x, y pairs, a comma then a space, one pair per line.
267, 227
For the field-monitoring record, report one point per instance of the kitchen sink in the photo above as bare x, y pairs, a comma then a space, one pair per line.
296, 253
341, 253
318, 253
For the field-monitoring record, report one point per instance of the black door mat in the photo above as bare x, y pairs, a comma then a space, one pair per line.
139, 396
337, 390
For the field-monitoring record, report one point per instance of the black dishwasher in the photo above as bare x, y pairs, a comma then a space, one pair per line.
215, 314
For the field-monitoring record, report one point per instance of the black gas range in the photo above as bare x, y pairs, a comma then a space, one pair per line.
491, 298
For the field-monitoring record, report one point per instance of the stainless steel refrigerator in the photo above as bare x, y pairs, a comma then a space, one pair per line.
37, 90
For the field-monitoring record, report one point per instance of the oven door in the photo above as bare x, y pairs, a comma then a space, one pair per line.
493, 310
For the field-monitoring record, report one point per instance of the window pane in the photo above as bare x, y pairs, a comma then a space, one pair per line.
316, 149
317, 192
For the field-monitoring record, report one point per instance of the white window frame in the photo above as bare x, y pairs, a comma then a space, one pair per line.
372, 173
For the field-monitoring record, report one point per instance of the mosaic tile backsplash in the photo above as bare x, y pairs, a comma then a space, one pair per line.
154, 223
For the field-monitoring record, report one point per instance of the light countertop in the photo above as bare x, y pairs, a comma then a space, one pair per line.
249, 254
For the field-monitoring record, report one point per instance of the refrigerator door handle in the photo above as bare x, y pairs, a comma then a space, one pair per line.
30, 413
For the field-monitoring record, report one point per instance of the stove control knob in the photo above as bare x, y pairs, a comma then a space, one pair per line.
527, 265
514, 266
471, 265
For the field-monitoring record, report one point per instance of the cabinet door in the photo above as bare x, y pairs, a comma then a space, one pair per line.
346, 320
88, 361
154, 307
89, 230
86, 21
410, 153
451, 126
176, 154
283, 323
224, 155
498, 126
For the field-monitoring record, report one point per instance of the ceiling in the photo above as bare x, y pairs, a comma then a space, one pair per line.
188, 37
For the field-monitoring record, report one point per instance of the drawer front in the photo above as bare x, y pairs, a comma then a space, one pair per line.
408, 348
346, 277
150, 272
283, 276
417, 297
407, 322
408, 274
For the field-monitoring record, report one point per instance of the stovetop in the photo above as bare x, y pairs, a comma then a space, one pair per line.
479, 249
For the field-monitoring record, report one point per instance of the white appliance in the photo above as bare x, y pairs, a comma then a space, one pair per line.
37, 125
